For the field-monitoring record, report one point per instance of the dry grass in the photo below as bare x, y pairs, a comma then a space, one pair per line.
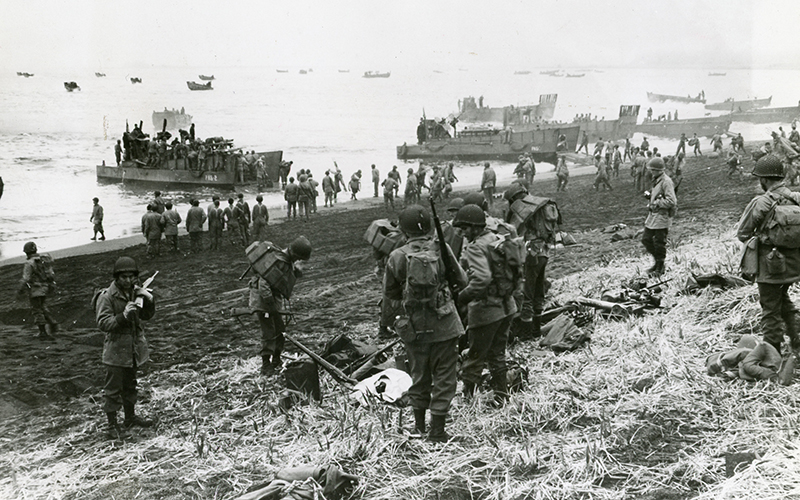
633, 415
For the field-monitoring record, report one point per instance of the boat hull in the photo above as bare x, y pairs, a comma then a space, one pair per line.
177, 176
773, 115
676, 98
736, 106
703, 127
541, 144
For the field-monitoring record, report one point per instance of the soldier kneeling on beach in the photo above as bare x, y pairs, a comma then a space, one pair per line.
120, 310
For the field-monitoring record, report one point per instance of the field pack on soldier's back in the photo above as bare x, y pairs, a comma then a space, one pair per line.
540, 215
781, 227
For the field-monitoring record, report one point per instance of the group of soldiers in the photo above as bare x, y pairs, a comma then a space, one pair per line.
162, 219
440, 187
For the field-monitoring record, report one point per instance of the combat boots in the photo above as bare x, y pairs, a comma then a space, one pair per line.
43, 335
468, 390
266, 366
133, 420
791, 330
419, 421
657, 269
536, 325
437, 433
500, 389
113, 430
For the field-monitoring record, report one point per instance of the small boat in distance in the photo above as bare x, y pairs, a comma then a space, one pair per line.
99, 75
70, 86
135, 79
576, 75
676, 98
733, 105
199, 86
26, 75
344, 71
303, 72
282, 70
206, 78
523, 72
377, 74
717, 74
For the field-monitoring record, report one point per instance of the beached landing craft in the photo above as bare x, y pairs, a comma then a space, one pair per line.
611, 130
676, 98
672, 129
488, 143
176, 120
470, 111
199, 86
377, 74
206, 78
734, 106
768, 115
70, 86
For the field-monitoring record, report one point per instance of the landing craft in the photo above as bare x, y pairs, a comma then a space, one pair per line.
652, 97
70, 86
199, 86
470, 111
733, 105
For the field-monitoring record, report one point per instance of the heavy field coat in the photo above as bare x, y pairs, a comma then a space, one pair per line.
124, 340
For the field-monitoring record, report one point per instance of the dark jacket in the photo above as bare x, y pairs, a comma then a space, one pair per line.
124, 340
152, 225
291, 192
33, 278
195, 219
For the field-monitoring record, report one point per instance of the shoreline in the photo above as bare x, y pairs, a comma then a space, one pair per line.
276, 217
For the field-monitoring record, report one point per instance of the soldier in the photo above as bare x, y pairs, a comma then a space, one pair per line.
394, 174
314, 192
681, 145
120, 310
97, 219
662, 206
490, 299
242, 213
494, 224
616, 160
260, 220
283, 170
158, 203
536, 220
304, 196
261, 174
694, 141
327, 188
290, 194
264, 302
488, 183
389, 188
338, 183
584, 143
355, 184
778, 267
194, 225
38, 280
601, 177
216, 221
411, 194
152, 226
171, 221
430, 326
376, 180
562, 174
118, 152
794, 136
234, 235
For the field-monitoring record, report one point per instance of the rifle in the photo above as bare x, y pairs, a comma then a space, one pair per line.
449, 268
369, 363
140, 300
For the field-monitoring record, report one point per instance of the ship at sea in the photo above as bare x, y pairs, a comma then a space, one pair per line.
733, 105
185, 163
543, 142
475, 112
377, 74
206, 78
199, 86
176, 120
653, 97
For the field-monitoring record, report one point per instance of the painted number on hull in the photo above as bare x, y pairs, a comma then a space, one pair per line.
211, 177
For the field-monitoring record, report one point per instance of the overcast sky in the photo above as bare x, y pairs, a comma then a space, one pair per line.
98, 34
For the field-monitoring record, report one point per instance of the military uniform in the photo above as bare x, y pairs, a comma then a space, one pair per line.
662, 206
152, 225
171, 221
194, 226
37, 285
260, 221
432, 353
778, 268
489, 317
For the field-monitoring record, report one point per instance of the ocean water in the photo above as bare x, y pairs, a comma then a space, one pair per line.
51, 140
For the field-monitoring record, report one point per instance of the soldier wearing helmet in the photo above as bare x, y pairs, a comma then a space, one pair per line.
120, 310
266, 299
488, 183
778, 267
453, 236
38, 280
411, 195
489, 300
429, 324
662, 206
494, 224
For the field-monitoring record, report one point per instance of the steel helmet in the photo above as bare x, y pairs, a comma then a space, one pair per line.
769, 166
656, 164
455, 204
30, 247
476, 199
300, 247
470, 215
415, 220
513, 191
125, 265
410, 170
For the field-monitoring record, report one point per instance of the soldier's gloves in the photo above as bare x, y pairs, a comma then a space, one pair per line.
130, 311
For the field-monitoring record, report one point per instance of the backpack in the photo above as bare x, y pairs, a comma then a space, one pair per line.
781, 226
421, 289
44, 269
506, 261
539, 216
